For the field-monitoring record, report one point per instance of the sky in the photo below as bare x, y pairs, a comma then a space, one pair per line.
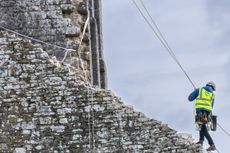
142, 73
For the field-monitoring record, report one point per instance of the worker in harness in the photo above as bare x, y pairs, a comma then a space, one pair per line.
204, 104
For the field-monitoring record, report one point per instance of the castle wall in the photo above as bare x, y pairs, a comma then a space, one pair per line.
59, 22
44, 108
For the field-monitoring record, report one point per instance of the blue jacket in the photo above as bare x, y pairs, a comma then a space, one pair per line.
195, 94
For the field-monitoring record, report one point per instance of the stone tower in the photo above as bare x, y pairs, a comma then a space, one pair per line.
48, 103
61, 22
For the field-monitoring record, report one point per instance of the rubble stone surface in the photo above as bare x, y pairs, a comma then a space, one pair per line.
58, 22
45, 108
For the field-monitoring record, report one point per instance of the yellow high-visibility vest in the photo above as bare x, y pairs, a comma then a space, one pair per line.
204, 99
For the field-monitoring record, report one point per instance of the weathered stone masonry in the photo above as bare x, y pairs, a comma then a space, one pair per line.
44, 108
60, 22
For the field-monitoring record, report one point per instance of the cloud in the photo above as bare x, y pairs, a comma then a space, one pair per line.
218, 15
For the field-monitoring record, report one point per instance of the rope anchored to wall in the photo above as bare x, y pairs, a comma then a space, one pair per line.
68, 51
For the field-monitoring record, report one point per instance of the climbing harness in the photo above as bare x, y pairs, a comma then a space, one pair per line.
206, 118
202, 117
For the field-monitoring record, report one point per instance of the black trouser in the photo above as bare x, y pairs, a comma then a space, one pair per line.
204, 131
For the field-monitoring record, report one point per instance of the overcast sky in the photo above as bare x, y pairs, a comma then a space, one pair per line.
143, 74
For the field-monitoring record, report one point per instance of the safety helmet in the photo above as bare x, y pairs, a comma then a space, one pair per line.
211, 84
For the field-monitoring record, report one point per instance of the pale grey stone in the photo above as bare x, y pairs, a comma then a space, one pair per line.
3, 146
26, 132
58, 129
19, 150
63, 120
28, 126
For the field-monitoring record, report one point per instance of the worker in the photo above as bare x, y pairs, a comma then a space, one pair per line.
204, 104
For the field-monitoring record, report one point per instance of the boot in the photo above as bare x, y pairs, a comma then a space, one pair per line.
211, 148
200, 143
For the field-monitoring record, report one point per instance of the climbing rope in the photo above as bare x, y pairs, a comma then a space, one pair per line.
217, 150
89, 117
54, 45
34, 39
90, 99
160, 37
154, 27
223, 129
93, 119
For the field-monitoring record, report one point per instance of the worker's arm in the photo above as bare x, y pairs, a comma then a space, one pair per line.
193, 95
213, 102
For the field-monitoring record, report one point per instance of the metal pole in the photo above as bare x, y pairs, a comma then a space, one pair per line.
98, 16
94, 46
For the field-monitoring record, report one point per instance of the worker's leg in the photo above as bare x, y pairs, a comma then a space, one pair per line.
207, 136
202, 131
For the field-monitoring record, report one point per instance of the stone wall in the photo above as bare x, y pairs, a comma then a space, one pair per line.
59, 22
44, 108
